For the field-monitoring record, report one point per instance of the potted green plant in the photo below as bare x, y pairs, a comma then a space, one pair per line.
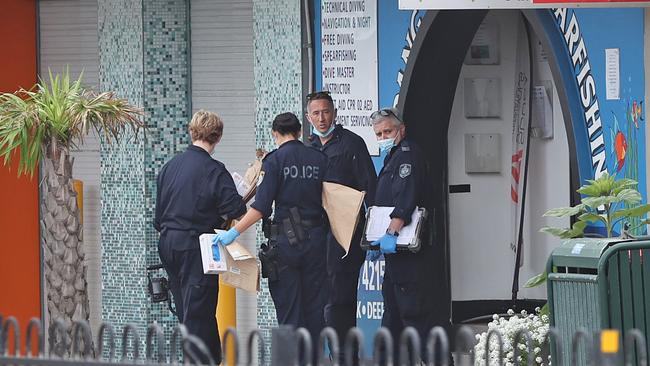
39, 126
605, 200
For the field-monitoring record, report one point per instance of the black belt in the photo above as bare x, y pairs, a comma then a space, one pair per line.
307, 224
192, 232
312, 223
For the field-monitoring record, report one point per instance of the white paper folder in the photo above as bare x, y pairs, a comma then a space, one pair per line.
378, 220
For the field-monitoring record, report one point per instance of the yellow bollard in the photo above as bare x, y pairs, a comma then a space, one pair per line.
227, 317
79, 188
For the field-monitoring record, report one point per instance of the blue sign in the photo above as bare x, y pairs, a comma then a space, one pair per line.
370, 303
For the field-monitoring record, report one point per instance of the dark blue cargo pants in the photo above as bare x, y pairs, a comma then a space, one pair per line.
300, 292
195, 294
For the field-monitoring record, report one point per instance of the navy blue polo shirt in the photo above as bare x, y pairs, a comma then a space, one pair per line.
292, 176
348, 160
402, 180
195, 193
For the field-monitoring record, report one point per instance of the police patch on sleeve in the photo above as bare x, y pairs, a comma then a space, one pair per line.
404, 170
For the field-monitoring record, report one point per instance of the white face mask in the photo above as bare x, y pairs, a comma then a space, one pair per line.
326, 133
386, 144
275, 138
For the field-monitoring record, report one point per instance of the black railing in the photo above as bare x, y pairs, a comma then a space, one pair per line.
295, 347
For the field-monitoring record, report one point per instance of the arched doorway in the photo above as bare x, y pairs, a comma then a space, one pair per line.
427, 95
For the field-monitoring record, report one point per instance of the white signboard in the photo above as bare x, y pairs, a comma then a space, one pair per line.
612, 74
515, 4
349, 59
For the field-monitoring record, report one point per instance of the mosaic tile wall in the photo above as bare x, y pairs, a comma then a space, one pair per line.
143, 56
278, 89
166, 105
123, 219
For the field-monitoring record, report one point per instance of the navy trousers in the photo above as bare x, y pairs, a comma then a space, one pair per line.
343, 278
195, 294
300, 292
408, 296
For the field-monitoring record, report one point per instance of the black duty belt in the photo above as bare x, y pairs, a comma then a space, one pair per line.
307, 224
192, 232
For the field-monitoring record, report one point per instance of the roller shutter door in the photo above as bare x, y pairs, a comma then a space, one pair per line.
222, 82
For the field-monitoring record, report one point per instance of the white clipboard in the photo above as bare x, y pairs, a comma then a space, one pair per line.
378, 220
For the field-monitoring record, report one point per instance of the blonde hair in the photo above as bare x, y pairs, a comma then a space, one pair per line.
206, 126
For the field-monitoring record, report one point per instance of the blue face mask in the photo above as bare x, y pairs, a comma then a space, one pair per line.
386, 144
326, 133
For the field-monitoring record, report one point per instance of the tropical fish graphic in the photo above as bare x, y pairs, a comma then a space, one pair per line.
619, 144
636, 113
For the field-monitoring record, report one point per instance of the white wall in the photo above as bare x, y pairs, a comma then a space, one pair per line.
482, 262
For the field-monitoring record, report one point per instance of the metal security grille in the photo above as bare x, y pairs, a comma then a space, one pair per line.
599, 284
569, 297
625, 287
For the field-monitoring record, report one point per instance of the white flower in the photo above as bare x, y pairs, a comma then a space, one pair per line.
508, 327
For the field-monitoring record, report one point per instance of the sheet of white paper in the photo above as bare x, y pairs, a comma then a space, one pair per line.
612, 73
380, 219
542, 123
240, 184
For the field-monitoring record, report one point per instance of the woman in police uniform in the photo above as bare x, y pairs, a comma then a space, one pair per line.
196, 194
292, 179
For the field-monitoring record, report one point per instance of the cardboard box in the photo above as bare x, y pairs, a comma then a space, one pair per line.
243, 271
239, 269
210, 266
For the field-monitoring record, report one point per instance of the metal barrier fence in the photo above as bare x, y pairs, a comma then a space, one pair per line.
295, 347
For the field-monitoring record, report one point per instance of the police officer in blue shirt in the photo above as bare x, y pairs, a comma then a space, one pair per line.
196, 194
294, 259
349, 164
408, 300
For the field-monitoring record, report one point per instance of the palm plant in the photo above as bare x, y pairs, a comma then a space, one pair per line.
40, 126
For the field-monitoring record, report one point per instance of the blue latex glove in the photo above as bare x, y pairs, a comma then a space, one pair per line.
215, 252
373, 255
387, 244
226, 238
